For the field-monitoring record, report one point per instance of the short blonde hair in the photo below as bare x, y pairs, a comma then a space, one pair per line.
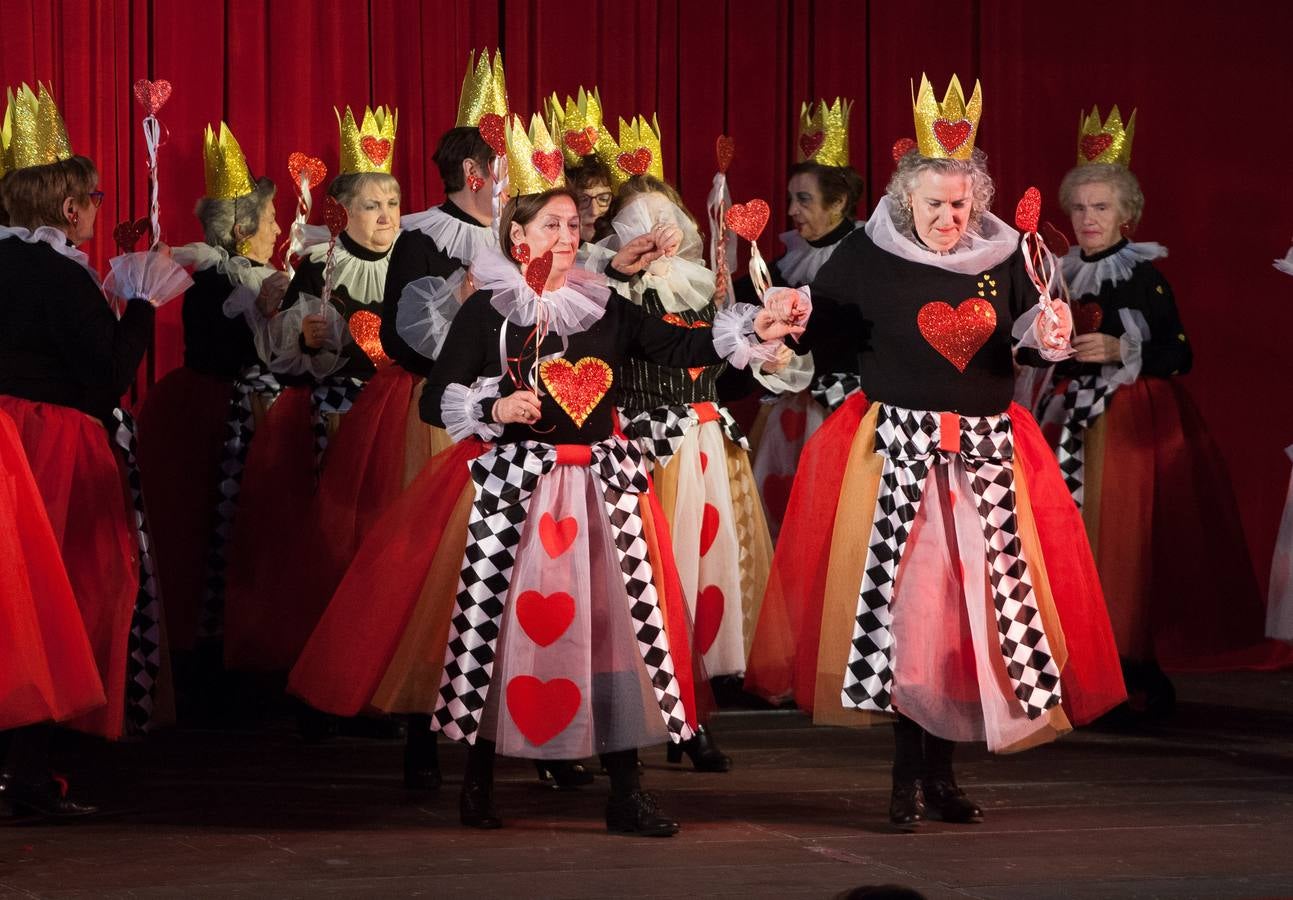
1119, 178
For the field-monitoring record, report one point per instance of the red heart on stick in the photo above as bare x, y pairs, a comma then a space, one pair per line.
366, 328
635, 163
127, 234
709, 616
548, 164
492, 129
557, 534
299, 164
1029, 211
902, 147
957, 334
334, 216
542, 709
811, 143
725, 149
1095, 144
952, 134
545, 618
152, 95
749, 219
537, 272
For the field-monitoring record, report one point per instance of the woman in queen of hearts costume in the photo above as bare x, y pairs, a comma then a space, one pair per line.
940, 576
1154, 493
1279, 610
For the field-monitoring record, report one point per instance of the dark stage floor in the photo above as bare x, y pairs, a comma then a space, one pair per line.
1201, 806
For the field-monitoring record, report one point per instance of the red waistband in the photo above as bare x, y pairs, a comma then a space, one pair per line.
574, 455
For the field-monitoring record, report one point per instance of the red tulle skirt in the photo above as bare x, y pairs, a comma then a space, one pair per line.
85, 499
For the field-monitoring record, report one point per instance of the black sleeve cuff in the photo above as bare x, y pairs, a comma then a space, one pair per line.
615, 274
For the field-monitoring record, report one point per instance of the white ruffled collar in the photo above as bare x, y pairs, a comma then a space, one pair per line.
1086, 277
454, 236
799, 264
682, 282
992, 244
240, 271
364, 280
48, 234
568, 310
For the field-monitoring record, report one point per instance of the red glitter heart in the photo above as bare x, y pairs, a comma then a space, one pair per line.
675, 319
475, 183
376, 149
127, 234
334, 216
557, 534
1087, 317
537, 272
749, 219
952, 134
1029, 211
708, 527
548, 164
635, 163
811, 143
776, 494
709, 616
152, 95
794, 422
582, 142
958, 333
696, 372
578, 387
902, 147
365, 328
1095, 144
725, 149
314, 169
492, 129
545, 618
542, 709
521, 252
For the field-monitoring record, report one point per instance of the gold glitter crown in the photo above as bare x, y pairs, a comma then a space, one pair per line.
824, 132
637, 153
369, 147
534, 163
34, 133
484, 90
1107, 143
946, 130
226, 168
578, 127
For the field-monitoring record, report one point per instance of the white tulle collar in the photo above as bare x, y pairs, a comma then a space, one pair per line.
799, 264
978, 251
1086, 277
48, 234
566, 311
240, 271
455, 236
362, 274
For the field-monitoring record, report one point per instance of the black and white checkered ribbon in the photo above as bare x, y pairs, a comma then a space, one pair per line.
333, 395
1085, 399
910, 442
144, 644
833, 388
239, 428
662, 429
505, 477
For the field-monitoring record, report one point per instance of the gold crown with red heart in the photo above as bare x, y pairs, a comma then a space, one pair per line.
636, 153
484, 89
33, 133
578, 126
1109, 142
946, 130
534, 163
370, 145
224, 165
824, 132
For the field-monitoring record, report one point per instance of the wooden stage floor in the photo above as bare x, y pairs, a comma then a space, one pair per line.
1200, 806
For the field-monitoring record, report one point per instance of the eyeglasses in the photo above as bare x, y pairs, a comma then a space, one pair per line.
96, 197
600, 200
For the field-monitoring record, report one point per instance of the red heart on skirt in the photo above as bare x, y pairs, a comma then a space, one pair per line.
708, 527
704, 462
776, 494
545, 619
542, 709
958, 333
557, 535
709, 616
794, 422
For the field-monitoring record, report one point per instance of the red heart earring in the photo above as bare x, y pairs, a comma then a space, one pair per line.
521, 252
475, 182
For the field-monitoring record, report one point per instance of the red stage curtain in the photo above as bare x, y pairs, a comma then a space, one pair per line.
1211, 138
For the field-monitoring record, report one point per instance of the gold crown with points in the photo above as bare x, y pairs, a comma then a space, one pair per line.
225, 166
369, 146
484, 90
34, 133
636, 153
578, 127
534, 163
946, 130
824, 132
1107, 143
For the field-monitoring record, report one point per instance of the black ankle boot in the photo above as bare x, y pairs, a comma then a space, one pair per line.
702, 751
47, 799
476, 805
638, 813
946, 801
563, 774
906, 805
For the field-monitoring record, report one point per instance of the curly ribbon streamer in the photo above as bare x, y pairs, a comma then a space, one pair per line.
759, 273
721, 250
153, 140
296, 234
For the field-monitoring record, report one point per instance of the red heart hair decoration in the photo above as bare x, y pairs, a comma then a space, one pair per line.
748, 219
152, 95
299, 164
725, 150
1029, 211
334, 216
537, 272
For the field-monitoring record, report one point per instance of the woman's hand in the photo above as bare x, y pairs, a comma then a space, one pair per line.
1053, 331
637, 254
520, 407
784, 356
785, 312
314, 331
271, 294
668, 238
1097, 348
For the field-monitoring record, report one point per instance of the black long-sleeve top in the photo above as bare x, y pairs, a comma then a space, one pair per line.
1167, 352
59, 340
649, 385
215, 344
867, 304
415, 256
624, 331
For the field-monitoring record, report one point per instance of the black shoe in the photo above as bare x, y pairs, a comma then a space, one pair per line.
476, 806
906, 807
638, 814
422, 767
702, 751
47, 799
563, 774
944, 800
